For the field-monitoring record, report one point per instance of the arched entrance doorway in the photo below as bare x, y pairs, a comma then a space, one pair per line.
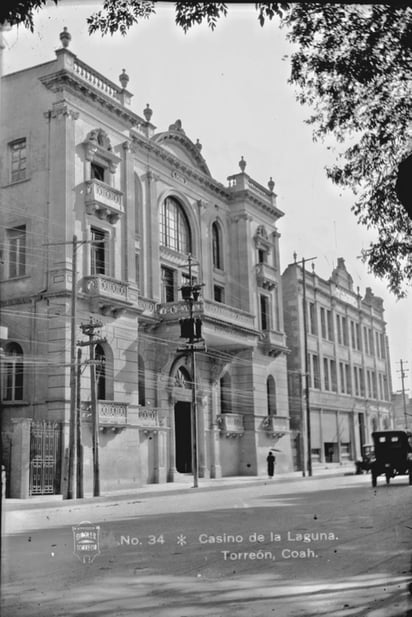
183, 421
183, 437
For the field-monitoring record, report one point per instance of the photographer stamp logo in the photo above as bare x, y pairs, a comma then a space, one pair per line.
86, 538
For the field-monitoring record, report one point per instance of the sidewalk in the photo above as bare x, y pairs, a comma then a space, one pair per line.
25, 514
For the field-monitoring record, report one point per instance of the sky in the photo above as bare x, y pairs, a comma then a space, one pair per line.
230, 89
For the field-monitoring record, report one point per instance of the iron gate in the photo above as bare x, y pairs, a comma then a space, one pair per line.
45, 443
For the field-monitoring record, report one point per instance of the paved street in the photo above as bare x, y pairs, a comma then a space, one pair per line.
327, 546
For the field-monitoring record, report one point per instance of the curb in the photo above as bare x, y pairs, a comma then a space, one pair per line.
56, 501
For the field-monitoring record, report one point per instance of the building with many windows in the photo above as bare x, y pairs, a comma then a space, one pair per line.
100, 214
348, 364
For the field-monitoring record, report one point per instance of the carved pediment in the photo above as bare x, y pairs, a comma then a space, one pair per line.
99, 149
175, 141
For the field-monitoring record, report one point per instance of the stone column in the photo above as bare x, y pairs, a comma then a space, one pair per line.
215, 466
20, 459
171, 472
202, 413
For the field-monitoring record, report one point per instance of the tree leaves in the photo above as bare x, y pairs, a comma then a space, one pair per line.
353, 67
119, 16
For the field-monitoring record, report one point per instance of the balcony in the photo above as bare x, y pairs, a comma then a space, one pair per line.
223, 325
111, 414
231, 424
149, 419
276, 426
103, 201
266, 276
274, 343
106, 294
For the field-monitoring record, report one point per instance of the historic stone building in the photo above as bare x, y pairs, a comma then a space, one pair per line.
348, 363
101, 215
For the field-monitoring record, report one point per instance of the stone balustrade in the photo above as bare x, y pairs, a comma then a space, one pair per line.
105, 286
97, 80
112, 413
103, 200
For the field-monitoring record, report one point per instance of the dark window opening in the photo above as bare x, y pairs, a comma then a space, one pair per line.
97, 172
218, 293
168, 285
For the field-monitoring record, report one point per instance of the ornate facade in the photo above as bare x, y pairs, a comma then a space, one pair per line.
92, 190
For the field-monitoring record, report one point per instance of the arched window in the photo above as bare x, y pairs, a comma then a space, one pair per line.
100, 358
13, 390
182, 378
271, 395
225, 394
174, 226
142, 382
217, 246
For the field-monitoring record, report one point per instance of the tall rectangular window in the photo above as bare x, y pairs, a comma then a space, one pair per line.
264, 313
314, 371
98, 252
18, 160
312, 318
329, 323
339, 329
326, 375
362, 381
356, 381
345, 331
333, 375
323, 322
17, 251
168, 285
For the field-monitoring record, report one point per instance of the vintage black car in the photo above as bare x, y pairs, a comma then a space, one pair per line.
393, 455
364, 464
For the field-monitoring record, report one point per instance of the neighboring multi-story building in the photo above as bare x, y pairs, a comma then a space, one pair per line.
89, 185
402, 411
348, 363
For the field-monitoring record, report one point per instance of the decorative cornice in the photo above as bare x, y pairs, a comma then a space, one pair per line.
156, 151
176, 134
67, 80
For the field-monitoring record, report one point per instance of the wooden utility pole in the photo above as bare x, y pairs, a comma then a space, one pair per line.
403, 376
73, 376
79, 447
88, 330
191, 330
308, 434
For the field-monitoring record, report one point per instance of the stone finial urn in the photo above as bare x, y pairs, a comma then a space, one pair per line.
271, 184
147, 112
242, 164
124, 79
65, 37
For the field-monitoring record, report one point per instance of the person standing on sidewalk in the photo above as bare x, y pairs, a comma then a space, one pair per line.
271, 464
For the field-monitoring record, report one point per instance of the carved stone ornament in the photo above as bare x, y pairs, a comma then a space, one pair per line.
99, 149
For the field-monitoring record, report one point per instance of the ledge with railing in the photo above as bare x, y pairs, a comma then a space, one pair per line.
231, 424
103, 200
276, 426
